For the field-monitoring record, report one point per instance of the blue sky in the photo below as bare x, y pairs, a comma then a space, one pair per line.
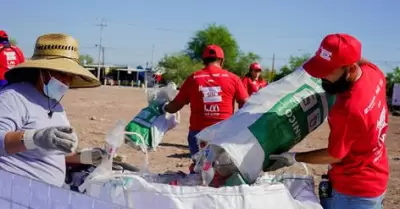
286, 27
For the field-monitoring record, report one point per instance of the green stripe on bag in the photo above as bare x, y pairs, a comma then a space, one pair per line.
291, 119
141, 125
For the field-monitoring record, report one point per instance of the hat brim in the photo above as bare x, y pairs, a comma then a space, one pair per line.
83, 78
256, 69
318, 67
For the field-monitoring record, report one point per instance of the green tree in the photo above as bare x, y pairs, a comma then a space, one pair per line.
284, 71
392, 78
243, 62
268, 74
214, 34
13, 41
88, 58
178, 67
294, 63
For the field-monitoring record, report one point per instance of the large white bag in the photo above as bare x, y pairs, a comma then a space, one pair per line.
284, 191
19, 192
133, 191
272, 121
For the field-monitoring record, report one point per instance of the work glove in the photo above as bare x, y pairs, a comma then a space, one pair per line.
285, 159
91, 156
61, 138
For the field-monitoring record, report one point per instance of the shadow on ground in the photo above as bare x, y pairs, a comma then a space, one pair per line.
179, 156
179, 146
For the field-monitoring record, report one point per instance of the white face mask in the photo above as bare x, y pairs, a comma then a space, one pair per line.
55, 89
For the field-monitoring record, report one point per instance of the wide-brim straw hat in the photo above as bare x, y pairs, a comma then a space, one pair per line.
58, 52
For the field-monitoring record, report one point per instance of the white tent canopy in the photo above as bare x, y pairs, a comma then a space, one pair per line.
131, 69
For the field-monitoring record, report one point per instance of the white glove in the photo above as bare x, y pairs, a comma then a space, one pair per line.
285, 159
60, 138
91, 156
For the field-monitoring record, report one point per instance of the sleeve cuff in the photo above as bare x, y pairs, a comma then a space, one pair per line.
2, 146
335, 154
28, 139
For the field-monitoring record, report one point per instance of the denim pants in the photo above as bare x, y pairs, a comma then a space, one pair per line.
342, 201
3, 83
192, 141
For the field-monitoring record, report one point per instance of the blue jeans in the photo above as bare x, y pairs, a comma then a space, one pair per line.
342, 201
192, 141
3, 83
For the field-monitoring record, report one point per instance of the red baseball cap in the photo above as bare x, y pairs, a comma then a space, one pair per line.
213, 51
255, 66
3, 34
335, 51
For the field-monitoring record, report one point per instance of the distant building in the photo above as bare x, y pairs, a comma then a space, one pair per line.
122, 75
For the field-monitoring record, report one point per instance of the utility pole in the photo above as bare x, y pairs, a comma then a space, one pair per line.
102, 53
273, 63
152, 56
101, 25
103, 62
152, 67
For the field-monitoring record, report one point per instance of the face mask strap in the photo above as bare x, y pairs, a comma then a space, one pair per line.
46, 89
50, 113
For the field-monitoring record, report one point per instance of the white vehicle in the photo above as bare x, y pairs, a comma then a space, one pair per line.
396, 95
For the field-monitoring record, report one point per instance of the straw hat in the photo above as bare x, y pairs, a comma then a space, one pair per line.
58, 52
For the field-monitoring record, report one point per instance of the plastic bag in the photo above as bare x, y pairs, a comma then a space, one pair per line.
135, 191
179, 191
150, 123
272, 121
214, 165
163, 94
301, 187
113, 140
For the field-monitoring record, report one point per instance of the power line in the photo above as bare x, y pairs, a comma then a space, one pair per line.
273, 57
269, 36
154, 28
180, 30
293, 36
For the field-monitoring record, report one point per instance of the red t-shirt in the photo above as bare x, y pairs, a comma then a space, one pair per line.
211, 93
9, 58
253, 85
359, 122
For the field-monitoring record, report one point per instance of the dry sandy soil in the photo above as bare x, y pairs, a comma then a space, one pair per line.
94, 111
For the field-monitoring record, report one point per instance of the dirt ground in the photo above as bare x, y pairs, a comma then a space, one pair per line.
94, 111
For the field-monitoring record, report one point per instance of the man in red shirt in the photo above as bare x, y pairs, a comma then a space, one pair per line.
253, 81
358, 122
211, 92
10, 56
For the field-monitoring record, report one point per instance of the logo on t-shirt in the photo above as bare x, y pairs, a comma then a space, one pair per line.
376, 105
381, 124
11, 59
211, 94
211, 108
211, 98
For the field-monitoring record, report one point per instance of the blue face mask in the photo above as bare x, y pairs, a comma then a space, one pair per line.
55, 89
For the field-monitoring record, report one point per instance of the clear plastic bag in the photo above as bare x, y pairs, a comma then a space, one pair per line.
163, 94
213, 162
